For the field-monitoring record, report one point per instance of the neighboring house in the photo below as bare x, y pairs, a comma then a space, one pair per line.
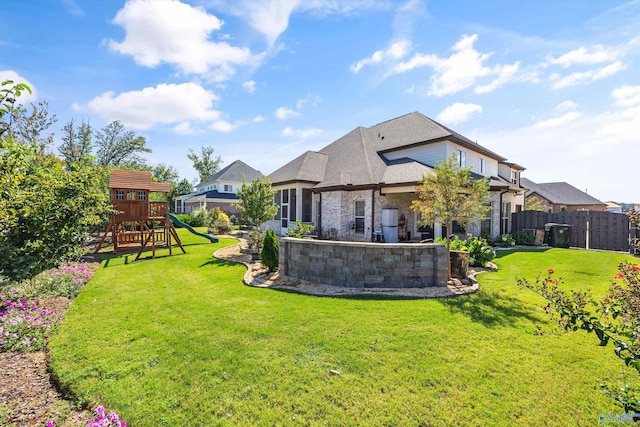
343, 188
560, 197
613, 207
219, 190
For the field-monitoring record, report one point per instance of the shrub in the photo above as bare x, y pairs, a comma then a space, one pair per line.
480, 253
255, 240
65, 281
455, 244
199, 218
505, 240
270, 251
300, 230
186, 218
523, 238
219, 222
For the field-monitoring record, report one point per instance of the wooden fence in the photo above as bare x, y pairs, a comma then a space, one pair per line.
590, 229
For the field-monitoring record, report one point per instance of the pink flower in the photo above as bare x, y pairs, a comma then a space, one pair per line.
619, 276
550, 271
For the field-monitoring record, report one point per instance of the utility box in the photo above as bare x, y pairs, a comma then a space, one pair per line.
557, 235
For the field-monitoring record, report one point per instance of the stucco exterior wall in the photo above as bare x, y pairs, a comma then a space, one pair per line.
364, 265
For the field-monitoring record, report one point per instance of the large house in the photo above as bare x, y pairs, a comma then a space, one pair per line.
345, 188
219, 190
560, 197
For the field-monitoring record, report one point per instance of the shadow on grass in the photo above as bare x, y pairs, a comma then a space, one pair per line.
491, 309
220, 263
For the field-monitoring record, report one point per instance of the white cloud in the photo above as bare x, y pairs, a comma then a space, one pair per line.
566, 105
258, 119
397, 50
17, 78
458, 113
302, 134
73, 8
461, 70
178, 34
584, 77
271, 17
557, 121
165, 103
185, 128
284, 113
597, 54
311, 100
249, 86
626, 95
222, 126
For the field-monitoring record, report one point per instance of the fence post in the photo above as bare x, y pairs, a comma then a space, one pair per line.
587, 234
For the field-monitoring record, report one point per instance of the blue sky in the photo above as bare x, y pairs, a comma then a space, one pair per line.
552, 86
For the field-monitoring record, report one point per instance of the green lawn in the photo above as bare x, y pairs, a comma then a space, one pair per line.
180, 341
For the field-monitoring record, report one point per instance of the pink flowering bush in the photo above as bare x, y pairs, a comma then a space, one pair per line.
66, 281
105, 420
26, 326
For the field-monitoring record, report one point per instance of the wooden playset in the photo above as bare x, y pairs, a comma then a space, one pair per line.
137, 221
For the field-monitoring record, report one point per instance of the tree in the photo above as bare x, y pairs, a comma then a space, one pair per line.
77, 143
119, 147
450, 194
45, 208
181, 188
256, 202
31, 125
534, 204
165, 173
9, 93
204, 163
269, 255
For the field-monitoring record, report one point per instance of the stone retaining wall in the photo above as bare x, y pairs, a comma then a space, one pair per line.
364, 265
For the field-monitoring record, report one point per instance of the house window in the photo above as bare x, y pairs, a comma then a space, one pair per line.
514, 177
119, 194
359, 216
131, 195
485, 223
505, 218
276, 201
228, 188
483, 166
462, 158
142, 196
307, 202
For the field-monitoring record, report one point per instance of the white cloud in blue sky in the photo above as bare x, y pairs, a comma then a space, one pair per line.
552, 86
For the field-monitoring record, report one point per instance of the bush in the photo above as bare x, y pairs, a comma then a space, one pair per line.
523, 238
219, 222
26, 326
505, 241
480, 253
199, 218
455, 244
186, 218
270, 253
255, 240
300, 230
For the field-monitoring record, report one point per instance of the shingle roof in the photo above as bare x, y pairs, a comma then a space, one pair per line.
357, 158
236, 171
310, 166
560, 193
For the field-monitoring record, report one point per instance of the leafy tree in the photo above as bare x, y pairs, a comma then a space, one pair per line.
204, 163
9, 93
534, 204
450, 194
77, 143
32, 124
256, 202
45, 208
165, 173
269, 255
119, 147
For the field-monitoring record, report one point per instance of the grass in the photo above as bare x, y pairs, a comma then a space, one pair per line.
179, 341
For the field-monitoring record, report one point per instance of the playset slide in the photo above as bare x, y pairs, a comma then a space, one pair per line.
179, 223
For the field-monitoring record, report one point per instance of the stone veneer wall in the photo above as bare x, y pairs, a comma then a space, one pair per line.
364, 265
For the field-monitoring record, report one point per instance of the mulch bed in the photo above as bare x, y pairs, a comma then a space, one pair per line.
27, 395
